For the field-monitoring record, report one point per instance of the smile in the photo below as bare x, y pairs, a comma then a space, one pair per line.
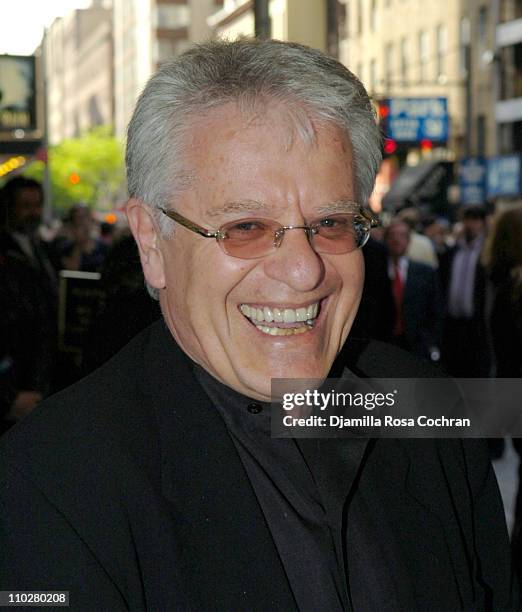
281, 321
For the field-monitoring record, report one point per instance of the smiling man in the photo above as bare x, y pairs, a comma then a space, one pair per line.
245, 309
154, 484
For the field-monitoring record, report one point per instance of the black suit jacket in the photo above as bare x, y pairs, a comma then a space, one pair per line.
127, 491
28, 315
466, 349
423, 309
375, 318
479, 289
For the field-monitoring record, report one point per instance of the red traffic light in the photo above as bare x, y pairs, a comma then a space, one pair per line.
384, 111
390, 146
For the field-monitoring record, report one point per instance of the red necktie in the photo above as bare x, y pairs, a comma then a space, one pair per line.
398, 296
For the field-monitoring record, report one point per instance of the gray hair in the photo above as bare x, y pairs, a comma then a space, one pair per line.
248, 72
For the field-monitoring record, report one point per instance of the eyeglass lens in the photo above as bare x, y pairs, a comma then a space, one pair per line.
251, 238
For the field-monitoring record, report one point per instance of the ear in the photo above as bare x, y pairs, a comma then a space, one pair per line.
146, 234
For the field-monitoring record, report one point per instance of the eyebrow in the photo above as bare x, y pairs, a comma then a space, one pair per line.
238, 206
339, 206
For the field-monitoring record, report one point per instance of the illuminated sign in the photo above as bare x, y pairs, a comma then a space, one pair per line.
414, 120
17, 92
505, 176
472, 180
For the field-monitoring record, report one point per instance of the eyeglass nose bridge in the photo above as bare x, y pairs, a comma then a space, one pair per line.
280, 233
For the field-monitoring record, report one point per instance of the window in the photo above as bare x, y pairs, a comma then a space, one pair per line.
423, 56
481, 135
404, 61
442, 50
166, 48
506, 139
483, 25
359, 16
172, 16
510, 9
373, 76
464, 41
373, 15
343, 12
388, 63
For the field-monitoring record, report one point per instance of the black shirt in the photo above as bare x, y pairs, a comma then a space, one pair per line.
304, 488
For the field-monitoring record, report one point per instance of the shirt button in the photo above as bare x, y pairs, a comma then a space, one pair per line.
254, 408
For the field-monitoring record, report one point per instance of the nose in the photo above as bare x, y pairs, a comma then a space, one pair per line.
295, 263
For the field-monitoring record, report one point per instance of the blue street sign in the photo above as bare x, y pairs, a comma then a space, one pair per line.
504, 176
473, 180
416, 119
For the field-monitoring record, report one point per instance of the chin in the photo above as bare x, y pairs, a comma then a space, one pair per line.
259, 385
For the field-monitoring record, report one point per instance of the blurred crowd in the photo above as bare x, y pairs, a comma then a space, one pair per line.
451, 293
33, 364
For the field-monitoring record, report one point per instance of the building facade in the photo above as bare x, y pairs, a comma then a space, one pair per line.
508, 59
146, 32
78, 72
407, 48
294, 20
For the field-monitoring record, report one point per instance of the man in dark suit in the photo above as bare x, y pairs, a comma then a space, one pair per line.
416, 293
154, 484
28, 302
466, 349
375, 317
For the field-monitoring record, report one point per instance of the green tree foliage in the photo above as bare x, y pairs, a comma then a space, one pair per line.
88, 169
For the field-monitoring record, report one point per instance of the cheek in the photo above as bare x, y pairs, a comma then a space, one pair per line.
352, 274
352, 286
206, 283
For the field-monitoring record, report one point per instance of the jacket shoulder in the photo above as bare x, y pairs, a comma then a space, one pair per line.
104, 410
376, 359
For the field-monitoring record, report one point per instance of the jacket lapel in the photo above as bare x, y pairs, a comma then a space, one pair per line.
229, 559
444, 512
396, 477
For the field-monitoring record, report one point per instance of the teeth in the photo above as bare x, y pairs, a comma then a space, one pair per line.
312, 310
269, 315
281, 331
289, 315
280, 315
300, 314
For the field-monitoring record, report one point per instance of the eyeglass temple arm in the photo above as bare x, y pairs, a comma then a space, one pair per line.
189, 224
367, 214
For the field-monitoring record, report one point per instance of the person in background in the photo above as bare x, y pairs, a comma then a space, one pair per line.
84, 251
127, 309
466, 349
437, 230
375, 317
420, 247
107, 233
416, 296
28, 302
503, 260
